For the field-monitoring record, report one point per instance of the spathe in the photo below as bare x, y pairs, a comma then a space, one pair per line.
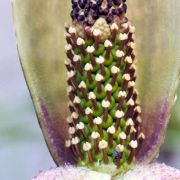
40, 37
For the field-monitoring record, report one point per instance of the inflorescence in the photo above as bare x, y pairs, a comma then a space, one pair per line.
104, 125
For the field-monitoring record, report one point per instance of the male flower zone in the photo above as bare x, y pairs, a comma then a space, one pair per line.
120, 88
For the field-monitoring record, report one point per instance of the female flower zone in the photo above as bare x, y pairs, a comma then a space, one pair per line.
118, 106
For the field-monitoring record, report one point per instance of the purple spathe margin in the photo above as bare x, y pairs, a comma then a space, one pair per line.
55, 131
154, 126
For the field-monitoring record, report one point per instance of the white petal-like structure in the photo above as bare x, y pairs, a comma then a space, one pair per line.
70, 173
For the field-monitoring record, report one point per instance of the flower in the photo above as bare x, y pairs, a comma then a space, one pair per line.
98, 87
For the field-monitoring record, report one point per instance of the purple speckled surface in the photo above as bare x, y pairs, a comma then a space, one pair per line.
57, 133
154, 125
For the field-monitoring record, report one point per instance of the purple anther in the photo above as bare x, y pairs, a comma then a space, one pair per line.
95, 15
109, 19
117, 2
81, 17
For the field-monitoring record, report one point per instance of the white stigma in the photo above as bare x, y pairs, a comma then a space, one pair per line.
132, 45
114, 26
67, 62
139, 120
80, 41
120, 148
126, 77
70, 74
72, 130
88, 67
80, 126
97, 121
99, 77
141, 136
129, 122
103, 144
70, 103
68, 143
133, 130
86, 146
75, 140
133, 66
72, 30
108, 87
122, 94
123, 36
69, 120
90, 49
133, 144
125, 25
76, 58
68, 47
111, 130
74, 115
138, 109
100, 60
107, 44
95, 135
119, 114
82, 84
122, 136
131, 84
88, 111
119, 54
128, 59
115, 70
69, 89
105, 104
131, 102
92, 95
77, 100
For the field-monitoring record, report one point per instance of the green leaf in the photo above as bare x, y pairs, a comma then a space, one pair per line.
158, 50
39, 26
